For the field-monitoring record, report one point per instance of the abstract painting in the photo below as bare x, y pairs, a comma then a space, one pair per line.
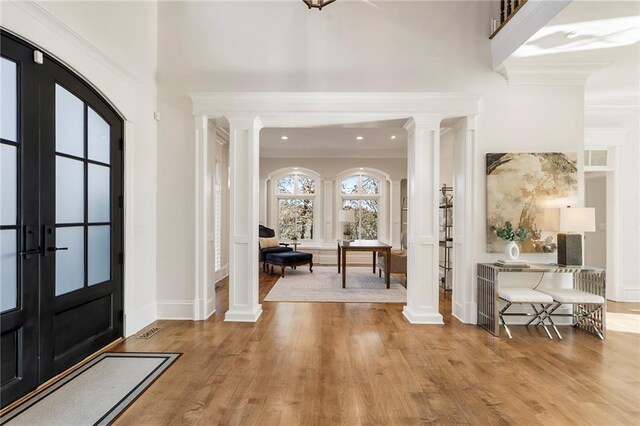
520, 186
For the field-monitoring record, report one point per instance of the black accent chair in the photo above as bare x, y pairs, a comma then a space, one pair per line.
264, 232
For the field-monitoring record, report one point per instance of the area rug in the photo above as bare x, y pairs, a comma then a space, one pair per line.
324, 284
94, 394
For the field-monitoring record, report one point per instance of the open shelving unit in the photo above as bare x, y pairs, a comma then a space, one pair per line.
446, 236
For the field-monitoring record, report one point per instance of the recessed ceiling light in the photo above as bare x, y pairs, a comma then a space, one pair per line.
284, 138
393, 137
361, 168
359, 138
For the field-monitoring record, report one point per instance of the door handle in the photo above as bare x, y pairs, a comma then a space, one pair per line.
30, 252
55, 248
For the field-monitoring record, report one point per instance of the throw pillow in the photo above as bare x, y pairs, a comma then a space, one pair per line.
269, 242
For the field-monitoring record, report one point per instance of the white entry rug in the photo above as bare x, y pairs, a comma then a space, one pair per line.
324, 284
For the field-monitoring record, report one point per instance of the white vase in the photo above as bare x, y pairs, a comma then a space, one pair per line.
512, 250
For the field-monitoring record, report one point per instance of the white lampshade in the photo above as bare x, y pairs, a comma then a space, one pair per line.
346, 216
569, 219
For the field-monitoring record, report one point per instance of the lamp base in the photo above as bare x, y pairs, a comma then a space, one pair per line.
569, 249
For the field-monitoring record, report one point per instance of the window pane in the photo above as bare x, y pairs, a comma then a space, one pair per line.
69, 123
9, 100
8, 270
8, 185
305, 220
306, 185
370, 185
287, 219
368, 219
69, 263
366, 211
69, 190
350, 185
98, 193
285, 185
99, 254
296, 219
599, 158
98, 138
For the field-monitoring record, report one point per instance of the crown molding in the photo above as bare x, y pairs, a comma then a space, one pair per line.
549, 73
612, 103
299, 106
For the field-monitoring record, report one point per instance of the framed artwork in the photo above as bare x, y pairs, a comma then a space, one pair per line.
520, 186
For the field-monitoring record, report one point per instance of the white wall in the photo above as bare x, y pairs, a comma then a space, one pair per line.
405, 46
446, 158
113, 45
625, 116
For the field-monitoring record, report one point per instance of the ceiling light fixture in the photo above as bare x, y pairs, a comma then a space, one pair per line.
393, 137
359, 138
284, 138
317, 4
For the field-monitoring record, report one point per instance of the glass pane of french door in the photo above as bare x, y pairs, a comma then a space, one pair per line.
9, 153
83, 194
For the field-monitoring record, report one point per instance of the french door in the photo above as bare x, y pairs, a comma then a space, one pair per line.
60, 221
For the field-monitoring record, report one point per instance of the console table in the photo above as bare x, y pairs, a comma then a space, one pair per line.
374, 246
591, 280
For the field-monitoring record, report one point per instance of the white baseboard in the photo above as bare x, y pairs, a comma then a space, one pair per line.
467, 313
238, 315
426, 317
139, 319
175, 309
631, 294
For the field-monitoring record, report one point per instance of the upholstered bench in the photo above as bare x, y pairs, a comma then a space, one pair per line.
291, 258
531, 297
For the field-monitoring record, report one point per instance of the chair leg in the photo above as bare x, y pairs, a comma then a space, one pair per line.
504, 324
310, 266
379, 273
282, 270
539, 315
548, 317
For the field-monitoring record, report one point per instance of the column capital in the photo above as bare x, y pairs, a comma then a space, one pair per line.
244, 122
422, 121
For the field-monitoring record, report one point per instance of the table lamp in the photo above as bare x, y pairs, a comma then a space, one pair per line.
346, 216
570, 222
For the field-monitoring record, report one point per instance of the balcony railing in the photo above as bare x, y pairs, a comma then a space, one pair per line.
508, 8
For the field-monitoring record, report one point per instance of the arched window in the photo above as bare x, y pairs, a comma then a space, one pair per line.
295, 195
361, 193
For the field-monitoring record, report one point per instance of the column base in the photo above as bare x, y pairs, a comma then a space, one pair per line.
242, 315
422, 316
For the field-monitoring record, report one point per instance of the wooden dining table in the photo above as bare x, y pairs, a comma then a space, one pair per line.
373, 246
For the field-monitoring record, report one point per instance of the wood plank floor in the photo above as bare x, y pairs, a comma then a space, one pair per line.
351, 364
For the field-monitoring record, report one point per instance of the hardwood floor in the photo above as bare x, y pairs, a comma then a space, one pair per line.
350, 364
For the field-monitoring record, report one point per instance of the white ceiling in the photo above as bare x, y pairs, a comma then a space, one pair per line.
336, 141
606, 33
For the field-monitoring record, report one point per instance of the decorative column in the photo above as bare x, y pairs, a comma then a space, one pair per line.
422, 229
464, 293
202, 306
243, 218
